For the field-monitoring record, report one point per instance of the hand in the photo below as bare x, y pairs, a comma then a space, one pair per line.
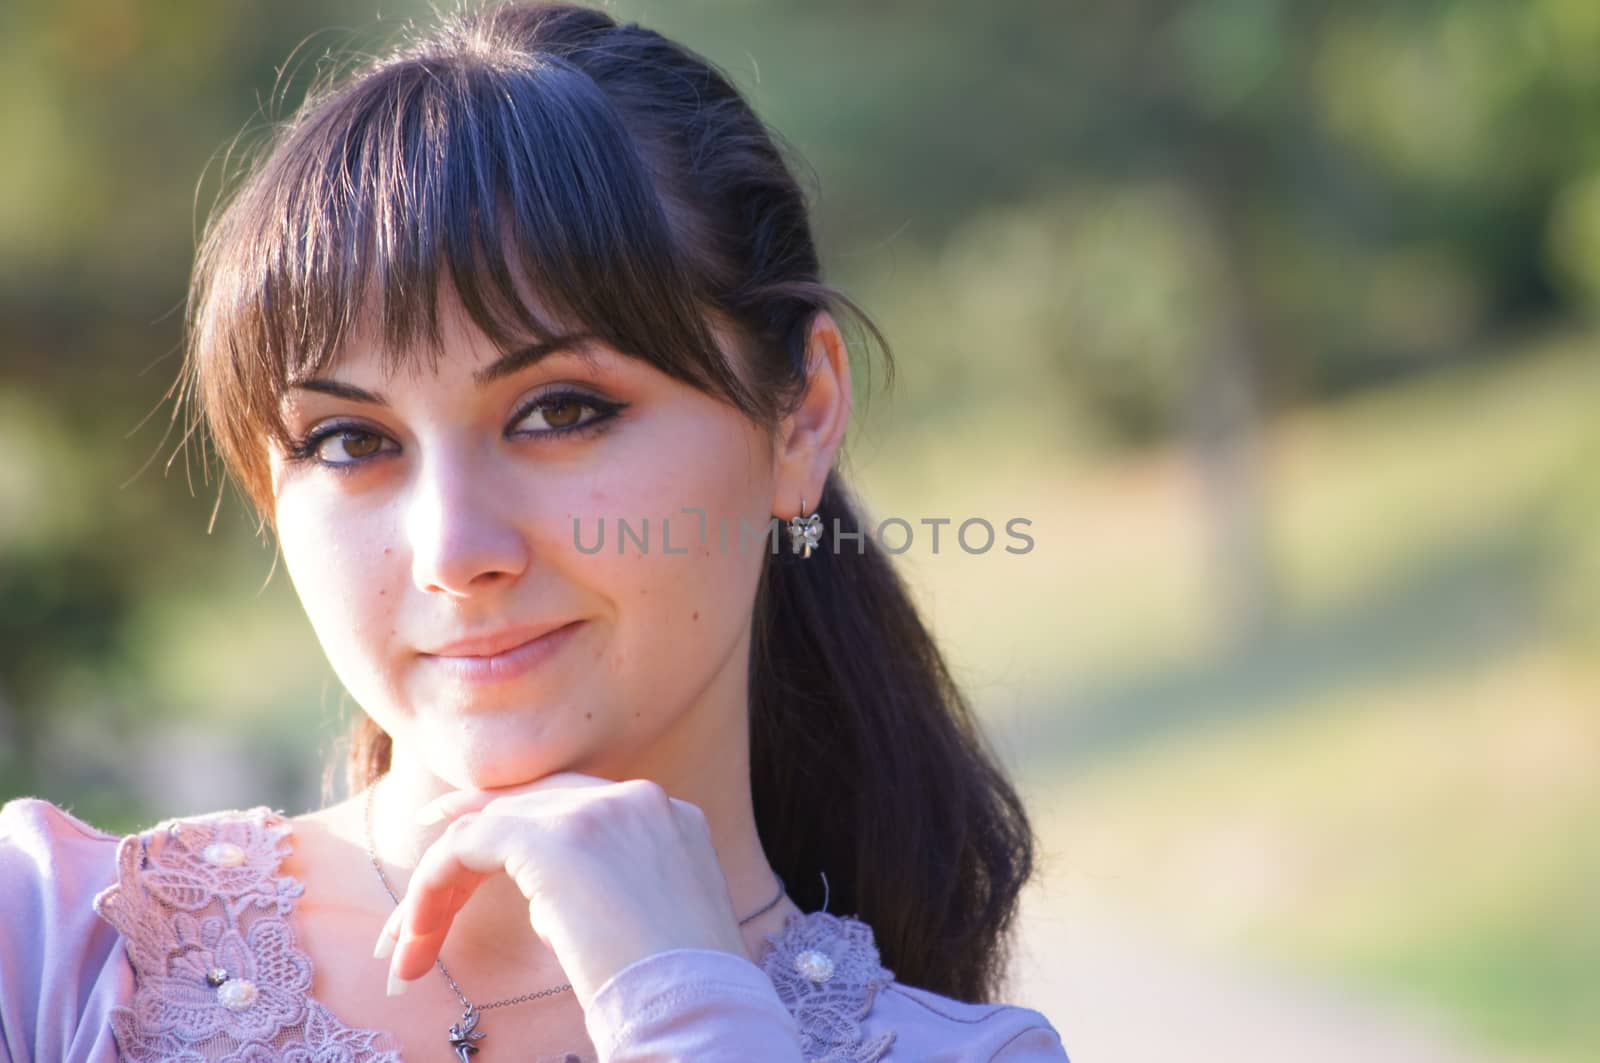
613, 872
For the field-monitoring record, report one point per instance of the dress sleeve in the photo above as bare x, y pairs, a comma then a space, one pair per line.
61, 968
701, 1004
1034, 1043
931, 1026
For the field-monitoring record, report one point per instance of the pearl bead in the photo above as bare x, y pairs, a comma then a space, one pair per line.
815, 966
237, 994
224, 854
216, 976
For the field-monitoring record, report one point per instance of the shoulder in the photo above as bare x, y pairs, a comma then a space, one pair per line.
26, 820
61, 969
850, 1008
928, 1022
48, 857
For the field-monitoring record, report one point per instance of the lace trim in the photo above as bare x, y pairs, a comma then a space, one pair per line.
826, 971
211, 899
218, 978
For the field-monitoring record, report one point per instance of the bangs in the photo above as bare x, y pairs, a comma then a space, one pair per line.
512, 181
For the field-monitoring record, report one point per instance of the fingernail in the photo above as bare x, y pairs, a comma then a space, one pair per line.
397, 985
428, 815
384, 947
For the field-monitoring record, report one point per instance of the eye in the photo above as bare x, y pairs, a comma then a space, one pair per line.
563, 412
345, 447
338, 446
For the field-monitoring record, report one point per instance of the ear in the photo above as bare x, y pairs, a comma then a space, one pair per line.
809, 437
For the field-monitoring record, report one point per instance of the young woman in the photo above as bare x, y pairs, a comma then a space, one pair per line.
517, 340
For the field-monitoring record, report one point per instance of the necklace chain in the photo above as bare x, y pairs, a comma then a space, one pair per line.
468, 1007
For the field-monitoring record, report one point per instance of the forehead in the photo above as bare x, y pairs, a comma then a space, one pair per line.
363, 375
458, 346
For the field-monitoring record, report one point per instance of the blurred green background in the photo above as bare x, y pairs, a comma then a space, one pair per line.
1276, 319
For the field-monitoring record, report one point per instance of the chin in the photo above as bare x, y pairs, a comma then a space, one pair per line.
488, 758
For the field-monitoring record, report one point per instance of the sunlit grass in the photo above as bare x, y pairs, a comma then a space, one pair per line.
1434, 839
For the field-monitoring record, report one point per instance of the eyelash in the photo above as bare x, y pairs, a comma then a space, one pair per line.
304, 450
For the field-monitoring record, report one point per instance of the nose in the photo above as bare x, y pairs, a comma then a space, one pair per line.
465, 535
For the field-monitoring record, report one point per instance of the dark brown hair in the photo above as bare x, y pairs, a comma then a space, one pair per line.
628, 183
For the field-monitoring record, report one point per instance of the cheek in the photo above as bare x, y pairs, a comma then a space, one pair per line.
678, 613
343, 579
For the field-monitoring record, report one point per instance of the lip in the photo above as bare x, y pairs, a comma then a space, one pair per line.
494, 642
501, 656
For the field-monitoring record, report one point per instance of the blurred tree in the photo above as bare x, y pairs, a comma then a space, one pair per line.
79, 605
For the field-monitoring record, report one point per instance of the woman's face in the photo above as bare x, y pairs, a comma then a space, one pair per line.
427, 522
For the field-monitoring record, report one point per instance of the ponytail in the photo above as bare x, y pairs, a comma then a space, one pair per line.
868, 766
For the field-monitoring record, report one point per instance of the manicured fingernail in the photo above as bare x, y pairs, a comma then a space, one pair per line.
397, 985
384, 947
428, 815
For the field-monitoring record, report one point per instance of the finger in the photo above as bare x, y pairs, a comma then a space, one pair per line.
458, 803
558, 780
449, 872
453, 805
690, 815
420, 939
388, 935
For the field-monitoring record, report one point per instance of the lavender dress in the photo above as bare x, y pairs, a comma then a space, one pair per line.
110, 949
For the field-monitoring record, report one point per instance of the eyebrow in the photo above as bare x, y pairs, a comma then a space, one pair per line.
504, 366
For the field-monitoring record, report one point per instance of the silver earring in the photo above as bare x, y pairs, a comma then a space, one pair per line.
804, 534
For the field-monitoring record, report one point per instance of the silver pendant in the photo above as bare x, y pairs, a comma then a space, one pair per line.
463, 1033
